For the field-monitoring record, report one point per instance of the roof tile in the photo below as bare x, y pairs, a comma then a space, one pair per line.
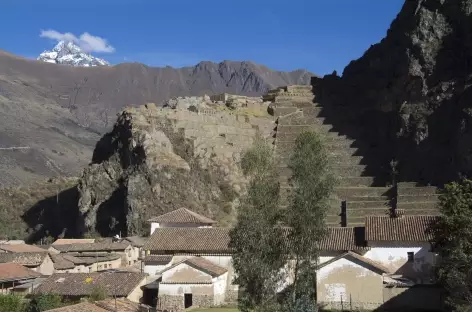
401, 229
119, 284
15, 271
21, 248
80, 307
24, 258
182, 215
189, 240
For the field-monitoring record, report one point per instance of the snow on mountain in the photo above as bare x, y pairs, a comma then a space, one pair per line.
70, 54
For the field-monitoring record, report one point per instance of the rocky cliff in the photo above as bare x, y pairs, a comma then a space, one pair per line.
159, 159
411, 91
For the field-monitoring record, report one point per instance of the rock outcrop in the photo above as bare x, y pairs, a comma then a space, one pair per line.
411, 91
159, 159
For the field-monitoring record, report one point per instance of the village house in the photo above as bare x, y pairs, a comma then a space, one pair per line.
181, 218
124, 249
85, 262
74, 286
394, 262
39, 262
13, 276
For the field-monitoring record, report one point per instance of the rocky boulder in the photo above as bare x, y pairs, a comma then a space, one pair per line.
159, 159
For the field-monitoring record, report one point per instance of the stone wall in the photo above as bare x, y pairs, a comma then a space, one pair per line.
203, 301
172, 303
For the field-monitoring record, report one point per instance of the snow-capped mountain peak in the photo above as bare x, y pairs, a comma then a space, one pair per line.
70, 54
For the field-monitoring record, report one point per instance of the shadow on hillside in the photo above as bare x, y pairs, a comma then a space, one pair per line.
111, 215
347, 121
55, 216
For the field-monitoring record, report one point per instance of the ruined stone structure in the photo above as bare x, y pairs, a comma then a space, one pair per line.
365, 186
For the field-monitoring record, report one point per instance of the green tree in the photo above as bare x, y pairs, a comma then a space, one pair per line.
313, 184
45, 302
453, 238
98, 293
256, 240
11, 303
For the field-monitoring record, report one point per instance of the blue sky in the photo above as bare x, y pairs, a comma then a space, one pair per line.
317, 35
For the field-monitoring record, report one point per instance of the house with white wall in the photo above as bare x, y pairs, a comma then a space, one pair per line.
192, 282
181, 218
39, 262
395, 261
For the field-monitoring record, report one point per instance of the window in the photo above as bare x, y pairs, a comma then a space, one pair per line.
105, 266
411, 256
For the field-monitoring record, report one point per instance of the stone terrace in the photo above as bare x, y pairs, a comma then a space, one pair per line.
360, 192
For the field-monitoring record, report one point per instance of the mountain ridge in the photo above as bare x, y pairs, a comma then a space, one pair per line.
61, 111
68, 53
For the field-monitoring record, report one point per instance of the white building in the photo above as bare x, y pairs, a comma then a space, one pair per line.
181, 217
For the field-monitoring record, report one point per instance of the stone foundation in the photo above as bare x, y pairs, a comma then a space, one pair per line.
171, 303
203, 301
231, 297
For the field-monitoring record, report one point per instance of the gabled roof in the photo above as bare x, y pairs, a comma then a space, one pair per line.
182, 215
200, 264
21, 248
119, 284
401, 229
24, 258
84, 247
189, 240
14, 271
67, 241
352, 256
80, 307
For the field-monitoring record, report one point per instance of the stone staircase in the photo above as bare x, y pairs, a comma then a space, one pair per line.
358, 192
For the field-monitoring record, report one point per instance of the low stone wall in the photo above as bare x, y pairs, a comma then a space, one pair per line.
203, 301
231, 297
171, 303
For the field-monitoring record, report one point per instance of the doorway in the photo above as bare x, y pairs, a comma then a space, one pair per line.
188, 301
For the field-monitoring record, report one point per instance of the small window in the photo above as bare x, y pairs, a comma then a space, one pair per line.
411, 256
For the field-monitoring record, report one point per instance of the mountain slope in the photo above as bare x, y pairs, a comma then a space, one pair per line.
412, 91
59, 111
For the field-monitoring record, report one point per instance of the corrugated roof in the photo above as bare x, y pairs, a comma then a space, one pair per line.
182, 215
68, 241
83, 284
15, 271
356, 257
24, 258
189, 240
21, 248
402, 229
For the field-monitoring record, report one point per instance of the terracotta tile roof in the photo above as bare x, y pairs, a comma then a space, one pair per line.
80, 307
157, 259
344, 239
122, 305
21, 248
119, 284
84, 247
14, 271
68, 241
358, 258
402, 229
24, 258
188, 240
206, 266
182, 215
61, 263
